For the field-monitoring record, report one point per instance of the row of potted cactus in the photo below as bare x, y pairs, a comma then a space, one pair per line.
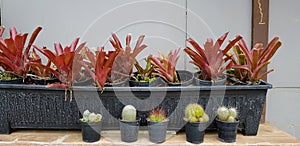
195, 116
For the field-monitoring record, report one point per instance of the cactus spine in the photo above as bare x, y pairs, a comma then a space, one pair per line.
129, 113
227, 114
157, 115
195, 113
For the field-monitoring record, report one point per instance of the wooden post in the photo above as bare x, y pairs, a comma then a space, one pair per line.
260, 29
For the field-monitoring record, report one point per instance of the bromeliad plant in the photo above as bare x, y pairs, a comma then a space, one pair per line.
14, 55
67, 63
144, 74
99, 64
126, 58
211, 60
166, 66
249, 66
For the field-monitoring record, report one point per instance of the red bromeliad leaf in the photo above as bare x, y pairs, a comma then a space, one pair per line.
212, 60
198, 48
14, 58
166, 65
64, 60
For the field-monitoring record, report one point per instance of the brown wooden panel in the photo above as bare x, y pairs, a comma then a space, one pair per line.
260, 29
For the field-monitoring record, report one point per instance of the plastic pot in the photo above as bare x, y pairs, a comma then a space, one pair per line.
91, 132
14, 81
44, 81
195, 132
129, 130
157, 131
227, 130
185, 77
199, 82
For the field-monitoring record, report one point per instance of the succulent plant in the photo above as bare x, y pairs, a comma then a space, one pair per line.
129, 113
90, 117
157, 115
195, 113
227, 114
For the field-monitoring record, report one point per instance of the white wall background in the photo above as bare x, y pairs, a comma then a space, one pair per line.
165, 23
283, 101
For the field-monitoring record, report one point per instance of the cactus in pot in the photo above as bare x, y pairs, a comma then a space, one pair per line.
196, 123
195, 113
91, 126
157, 125
227, 114
129, 113
227, 123
129, 125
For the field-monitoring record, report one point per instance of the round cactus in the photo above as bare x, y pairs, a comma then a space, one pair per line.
157, 115
129, 113
232, 112
225, 114
90, 117
195, 113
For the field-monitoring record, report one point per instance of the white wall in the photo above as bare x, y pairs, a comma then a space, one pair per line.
283, 101
164, 23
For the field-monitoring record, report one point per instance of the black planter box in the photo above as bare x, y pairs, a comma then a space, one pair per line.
37, 107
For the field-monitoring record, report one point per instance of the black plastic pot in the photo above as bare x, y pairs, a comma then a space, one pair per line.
44, 81
195, 132
185, 77
157, 131
87, 82
199, 82
227, 130
129, 130
14, 81
91, 132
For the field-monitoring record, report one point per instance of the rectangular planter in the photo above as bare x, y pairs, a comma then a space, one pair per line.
37, 107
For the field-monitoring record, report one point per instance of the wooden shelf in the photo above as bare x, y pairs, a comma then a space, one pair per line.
267, 135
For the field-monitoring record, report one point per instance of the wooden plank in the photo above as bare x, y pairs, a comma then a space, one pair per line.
267, 135
260, 29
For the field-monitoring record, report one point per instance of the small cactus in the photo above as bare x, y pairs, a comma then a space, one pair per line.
225, 114
90, 117
195, 113
129, 113
157, 115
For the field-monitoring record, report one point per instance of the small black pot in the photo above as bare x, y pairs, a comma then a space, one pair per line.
227, 130
91, 132
120, 83
87, 82
129, 130
195, 132
185, 77
157, 131
199, 82
44, 81
15, 81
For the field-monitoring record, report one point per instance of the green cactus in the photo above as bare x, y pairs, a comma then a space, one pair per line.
157, 115
225, 114
90, 117
195, 113
129, 113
